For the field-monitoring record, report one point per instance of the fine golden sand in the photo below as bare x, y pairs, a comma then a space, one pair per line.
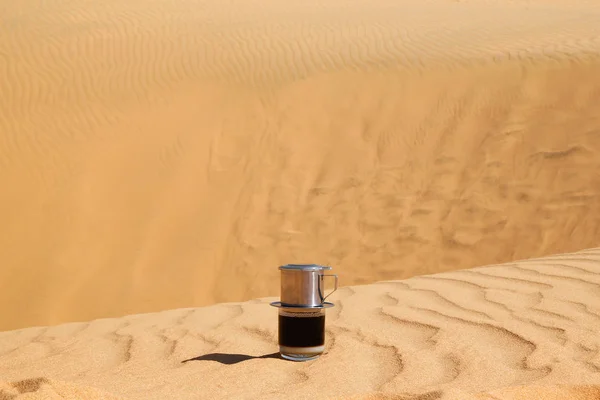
163, 154
524, 330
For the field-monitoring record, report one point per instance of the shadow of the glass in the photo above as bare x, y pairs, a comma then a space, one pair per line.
229, 359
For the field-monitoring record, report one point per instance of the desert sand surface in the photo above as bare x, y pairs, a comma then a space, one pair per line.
167, 154
522, 330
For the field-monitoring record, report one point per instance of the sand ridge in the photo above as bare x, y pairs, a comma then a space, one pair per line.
46, 389
492, 331
532, 392
172, 154
36, 389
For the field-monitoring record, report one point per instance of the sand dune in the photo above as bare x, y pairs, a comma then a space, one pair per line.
525, 330
167, 154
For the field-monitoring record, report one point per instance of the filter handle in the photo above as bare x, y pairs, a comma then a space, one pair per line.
321, 291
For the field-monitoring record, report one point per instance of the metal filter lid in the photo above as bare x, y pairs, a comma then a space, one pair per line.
304, 267
302, 286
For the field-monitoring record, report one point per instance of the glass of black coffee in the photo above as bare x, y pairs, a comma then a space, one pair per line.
302, 310
301, 333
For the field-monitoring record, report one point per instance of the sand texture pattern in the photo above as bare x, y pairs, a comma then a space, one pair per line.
513, 331
166, 154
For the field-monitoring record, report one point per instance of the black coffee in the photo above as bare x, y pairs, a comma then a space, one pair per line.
301, 331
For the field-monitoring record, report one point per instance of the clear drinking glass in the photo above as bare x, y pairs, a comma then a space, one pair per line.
301, 333
302, 310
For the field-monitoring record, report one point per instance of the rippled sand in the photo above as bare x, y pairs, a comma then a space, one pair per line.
512, 331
